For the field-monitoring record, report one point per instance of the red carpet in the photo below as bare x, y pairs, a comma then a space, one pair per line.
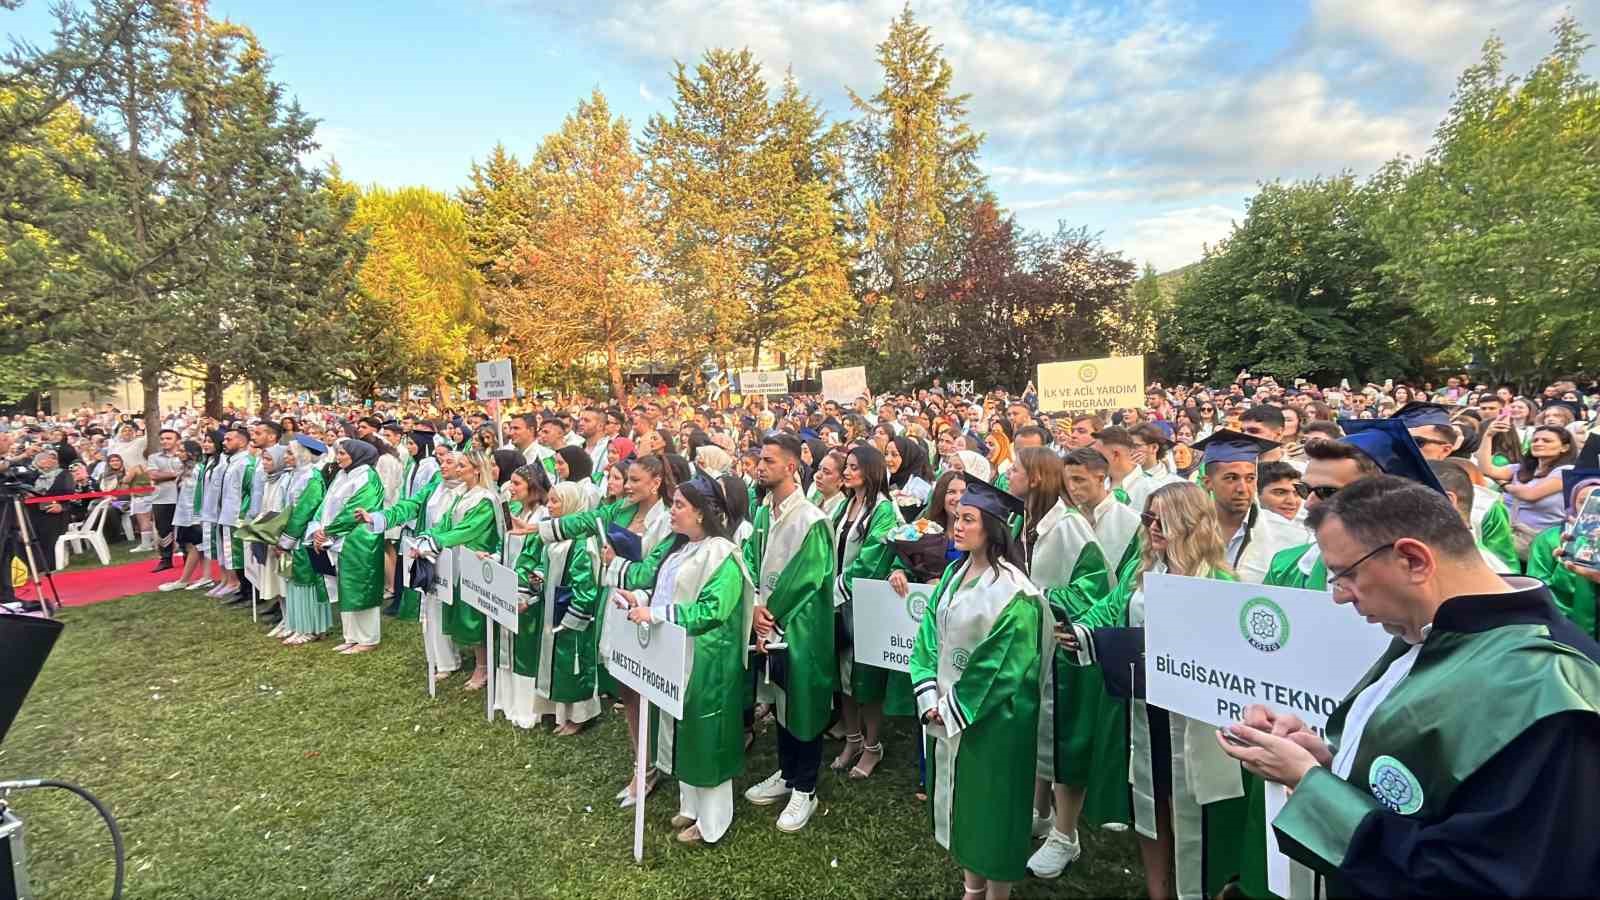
87, 586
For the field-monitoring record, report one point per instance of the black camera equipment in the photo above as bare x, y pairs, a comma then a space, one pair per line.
14, 517
25, 642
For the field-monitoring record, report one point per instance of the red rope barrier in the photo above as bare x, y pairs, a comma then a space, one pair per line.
90, 495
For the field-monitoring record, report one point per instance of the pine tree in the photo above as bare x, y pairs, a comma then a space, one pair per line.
916, 176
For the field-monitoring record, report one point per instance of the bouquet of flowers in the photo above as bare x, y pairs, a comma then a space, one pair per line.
921, 546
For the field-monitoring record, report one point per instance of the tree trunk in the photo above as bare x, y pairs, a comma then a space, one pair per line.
213, 390
150, 381
263, 391
614, 370
755, 355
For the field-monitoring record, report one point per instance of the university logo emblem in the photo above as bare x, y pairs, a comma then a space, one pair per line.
916, 605
641, 632
959, 658
1088, 372
1394, 785
488, 571
1263, 624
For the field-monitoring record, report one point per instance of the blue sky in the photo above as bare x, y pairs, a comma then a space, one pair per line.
1151, 122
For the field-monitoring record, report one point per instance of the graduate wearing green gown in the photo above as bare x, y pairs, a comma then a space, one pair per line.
415, 512
1172, 762
1066, 563
862, 550
977, 666
419, 478
305, 608
356, 552
471, 521
790, 555
1574, 595
698, 581
559, 644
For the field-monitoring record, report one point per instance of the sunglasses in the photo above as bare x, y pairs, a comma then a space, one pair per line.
1149, 519
1323, 491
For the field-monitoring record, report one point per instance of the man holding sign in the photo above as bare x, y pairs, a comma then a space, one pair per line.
1463, 763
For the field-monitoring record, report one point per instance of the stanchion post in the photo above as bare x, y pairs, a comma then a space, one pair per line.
639, 781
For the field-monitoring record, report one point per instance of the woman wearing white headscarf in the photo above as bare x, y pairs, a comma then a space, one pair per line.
264, 573
559, 647
356, 553
306, 613
971, 462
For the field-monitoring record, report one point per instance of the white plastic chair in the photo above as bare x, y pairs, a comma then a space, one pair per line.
87, 530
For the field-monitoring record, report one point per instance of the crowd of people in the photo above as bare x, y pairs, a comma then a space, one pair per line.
751, 526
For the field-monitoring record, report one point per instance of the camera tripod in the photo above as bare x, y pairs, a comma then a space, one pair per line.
12, 515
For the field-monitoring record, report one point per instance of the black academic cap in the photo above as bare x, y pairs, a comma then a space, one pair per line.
990, 499
1589, 456
1225, 446
1579, 414
1572, 479
1389, 443
1418, 414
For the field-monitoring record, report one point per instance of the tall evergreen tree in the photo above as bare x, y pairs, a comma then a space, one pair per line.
916, 176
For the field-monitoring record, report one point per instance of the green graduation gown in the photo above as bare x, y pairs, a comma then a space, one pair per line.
866, 556
977, 661
594, 523
1469, 768
1297, 567
562, 662
468, 522
360, 564
712, 598
1494, 535
790, 555
294, 532
410, 511
1573, 594
1068, 566
1207, 798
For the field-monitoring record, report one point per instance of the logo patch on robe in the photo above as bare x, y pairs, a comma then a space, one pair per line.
916, 605
1263, 624
1394, 785
959, 658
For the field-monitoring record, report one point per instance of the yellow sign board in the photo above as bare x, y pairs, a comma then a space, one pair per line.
1091, 385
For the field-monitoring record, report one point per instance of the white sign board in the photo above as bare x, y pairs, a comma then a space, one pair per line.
494, 380
1214, 647
844, 385
754, 382
886, 623
491, 589
444, 576
651, 659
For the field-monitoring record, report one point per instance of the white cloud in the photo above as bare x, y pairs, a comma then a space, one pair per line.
1442, 37
646, 94
1177, 237
1143, 114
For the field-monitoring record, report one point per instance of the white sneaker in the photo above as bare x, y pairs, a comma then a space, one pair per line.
795, 816
172, 585
1054, 856
1042, 824
769, 791
202, 583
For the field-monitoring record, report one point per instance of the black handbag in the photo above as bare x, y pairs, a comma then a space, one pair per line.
423, 572
321, 563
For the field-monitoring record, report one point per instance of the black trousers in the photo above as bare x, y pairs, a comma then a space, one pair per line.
164, 537
799, 760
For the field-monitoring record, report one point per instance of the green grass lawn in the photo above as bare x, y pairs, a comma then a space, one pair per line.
238, 768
